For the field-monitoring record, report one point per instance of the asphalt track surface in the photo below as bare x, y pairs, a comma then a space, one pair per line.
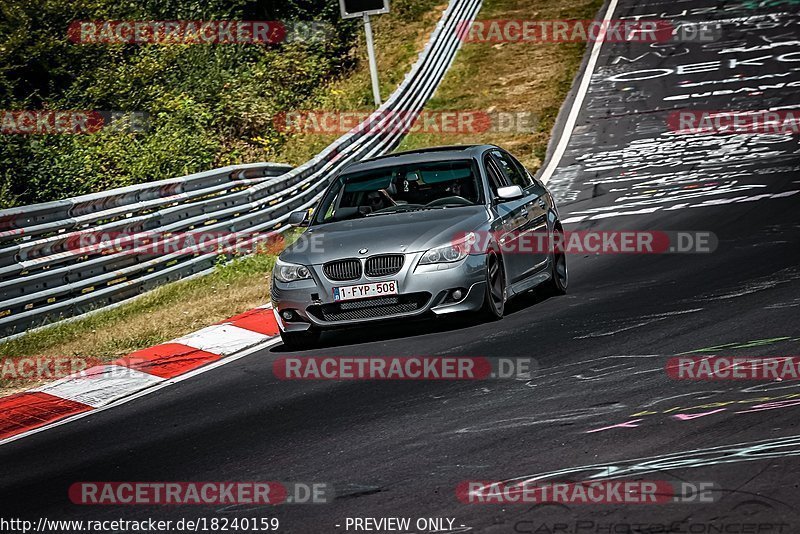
400, 448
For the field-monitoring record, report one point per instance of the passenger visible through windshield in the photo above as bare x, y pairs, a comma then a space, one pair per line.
413, 187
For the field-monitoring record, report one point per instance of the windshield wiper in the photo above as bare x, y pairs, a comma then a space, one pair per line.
416, 208
398, 209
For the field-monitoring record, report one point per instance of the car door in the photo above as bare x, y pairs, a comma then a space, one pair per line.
540, 214
511, 219
529, 250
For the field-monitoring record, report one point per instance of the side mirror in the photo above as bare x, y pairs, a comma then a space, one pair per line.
299, 218
511, 192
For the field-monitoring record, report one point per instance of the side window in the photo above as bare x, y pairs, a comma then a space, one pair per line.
496, 178
529, 179
511, 169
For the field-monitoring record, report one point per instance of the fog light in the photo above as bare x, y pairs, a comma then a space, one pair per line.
457, 294
287, 314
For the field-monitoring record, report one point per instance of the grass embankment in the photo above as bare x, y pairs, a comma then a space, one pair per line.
504, 77
512, 77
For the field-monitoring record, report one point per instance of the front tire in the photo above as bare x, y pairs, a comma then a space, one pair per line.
494, 302
300, 340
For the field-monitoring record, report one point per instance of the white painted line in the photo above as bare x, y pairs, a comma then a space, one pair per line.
222, 339
101, 385
577, 104
157, 387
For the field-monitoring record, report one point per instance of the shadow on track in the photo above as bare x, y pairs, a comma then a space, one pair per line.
406, 328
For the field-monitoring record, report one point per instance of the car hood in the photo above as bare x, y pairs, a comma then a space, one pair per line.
382, 234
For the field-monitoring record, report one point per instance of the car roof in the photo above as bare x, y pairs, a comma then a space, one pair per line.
439, 153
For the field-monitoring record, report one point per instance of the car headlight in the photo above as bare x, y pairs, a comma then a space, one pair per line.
451, 253
289, 272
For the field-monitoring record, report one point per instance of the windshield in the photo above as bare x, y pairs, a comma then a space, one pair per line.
401, 188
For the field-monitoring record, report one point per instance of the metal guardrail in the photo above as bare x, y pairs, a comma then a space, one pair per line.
47, 278
76, 212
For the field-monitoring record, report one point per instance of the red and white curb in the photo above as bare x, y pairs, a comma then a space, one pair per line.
141, 372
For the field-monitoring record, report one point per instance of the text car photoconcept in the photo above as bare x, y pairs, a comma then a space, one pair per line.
415, 233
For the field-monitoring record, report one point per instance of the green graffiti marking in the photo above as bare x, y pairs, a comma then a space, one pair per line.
752, 4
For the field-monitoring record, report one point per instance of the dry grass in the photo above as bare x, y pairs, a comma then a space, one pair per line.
512, 77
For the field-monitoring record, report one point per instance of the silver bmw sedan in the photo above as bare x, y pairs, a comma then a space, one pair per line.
428, 232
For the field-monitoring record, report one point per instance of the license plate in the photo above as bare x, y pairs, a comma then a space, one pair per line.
364, 291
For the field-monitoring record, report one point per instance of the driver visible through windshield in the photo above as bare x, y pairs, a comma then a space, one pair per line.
402, 188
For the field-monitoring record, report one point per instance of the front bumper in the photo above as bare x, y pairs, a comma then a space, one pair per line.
421, 290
